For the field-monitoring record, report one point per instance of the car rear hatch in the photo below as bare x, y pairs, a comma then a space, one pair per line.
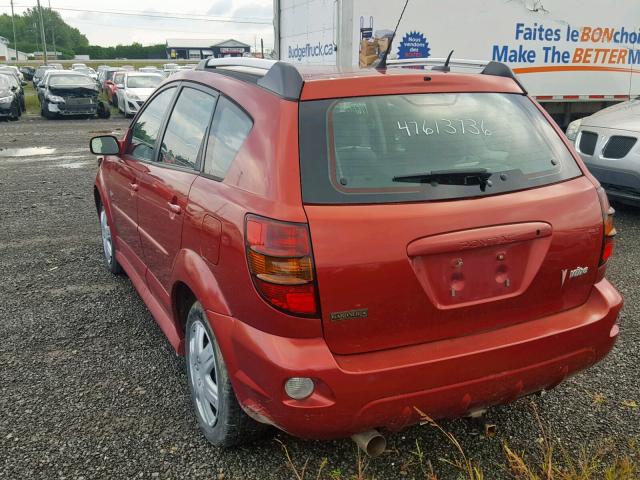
408, 250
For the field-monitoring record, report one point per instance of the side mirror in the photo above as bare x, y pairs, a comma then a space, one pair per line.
104, 145
24, 84
120, 85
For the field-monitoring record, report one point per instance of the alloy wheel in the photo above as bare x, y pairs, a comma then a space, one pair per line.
203, 373
107, 244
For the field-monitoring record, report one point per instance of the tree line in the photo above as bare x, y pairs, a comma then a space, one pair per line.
69, 40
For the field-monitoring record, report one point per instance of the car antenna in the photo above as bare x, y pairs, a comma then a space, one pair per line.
445, 67
382, 65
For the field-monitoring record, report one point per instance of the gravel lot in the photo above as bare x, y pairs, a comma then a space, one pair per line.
90, 388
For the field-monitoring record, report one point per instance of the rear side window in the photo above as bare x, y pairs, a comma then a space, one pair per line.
231, 126
147, 126
186, 128
357, 150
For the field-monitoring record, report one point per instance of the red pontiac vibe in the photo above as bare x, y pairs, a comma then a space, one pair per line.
111, 85
330, 250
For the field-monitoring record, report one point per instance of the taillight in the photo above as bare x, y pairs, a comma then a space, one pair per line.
609, 229
281, 264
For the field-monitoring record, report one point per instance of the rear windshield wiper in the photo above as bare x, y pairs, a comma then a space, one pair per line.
472, 176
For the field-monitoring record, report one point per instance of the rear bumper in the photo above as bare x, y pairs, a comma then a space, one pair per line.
445, 379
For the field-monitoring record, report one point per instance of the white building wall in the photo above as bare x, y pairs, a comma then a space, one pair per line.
4, 49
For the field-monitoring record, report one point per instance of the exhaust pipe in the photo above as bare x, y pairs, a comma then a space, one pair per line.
370, 442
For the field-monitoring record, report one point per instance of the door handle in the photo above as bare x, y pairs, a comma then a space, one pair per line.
134, 186
174, 208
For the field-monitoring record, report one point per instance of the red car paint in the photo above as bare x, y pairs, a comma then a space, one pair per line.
111, 87
180, 231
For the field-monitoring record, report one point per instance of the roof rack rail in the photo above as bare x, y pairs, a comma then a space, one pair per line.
431, 61
280, 78
497, 69
500, 69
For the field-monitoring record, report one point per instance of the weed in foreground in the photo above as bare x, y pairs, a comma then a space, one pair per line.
550, 462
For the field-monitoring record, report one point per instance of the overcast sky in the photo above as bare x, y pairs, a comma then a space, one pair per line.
110, 29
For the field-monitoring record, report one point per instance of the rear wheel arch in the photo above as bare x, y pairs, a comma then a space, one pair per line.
192, 270
182, 300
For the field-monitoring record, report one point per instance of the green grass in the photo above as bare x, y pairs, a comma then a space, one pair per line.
611, 459
114, 110
31, 100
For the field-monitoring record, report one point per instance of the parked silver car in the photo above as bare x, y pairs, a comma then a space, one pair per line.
609, 143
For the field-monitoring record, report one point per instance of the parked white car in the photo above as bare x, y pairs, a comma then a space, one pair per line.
136, 89
76, 66
88, 71
16, 69
609, 144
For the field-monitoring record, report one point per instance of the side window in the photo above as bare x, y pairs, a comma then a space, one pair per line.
228, 132
119, 79
146, 129
186, 128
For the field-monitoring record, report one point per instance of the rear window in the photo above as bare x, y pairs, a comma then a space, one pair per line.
357, 150
146, 81
70, 80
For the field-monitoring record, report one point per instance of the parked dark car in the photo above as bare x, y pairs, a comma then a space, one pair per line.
9, 101
67, 93
28, 72
19, 87
39, 73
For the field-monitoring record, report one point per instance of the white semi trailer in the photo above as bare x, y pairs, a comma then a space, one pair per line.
574, 56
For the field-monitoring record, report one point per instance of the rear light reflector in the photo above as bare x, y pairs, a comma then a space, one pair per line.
607, 251
281, 264
292, 298
299, 388
609, 229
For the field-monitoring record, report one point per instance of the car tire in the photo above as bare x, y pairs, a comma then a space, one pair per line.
224, 424
103, 111
108, 245
44, 111
15, 113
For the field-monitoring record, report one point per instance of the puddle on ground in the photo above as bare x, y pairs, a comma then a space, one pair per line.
26, 152
117, 131
73, 165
